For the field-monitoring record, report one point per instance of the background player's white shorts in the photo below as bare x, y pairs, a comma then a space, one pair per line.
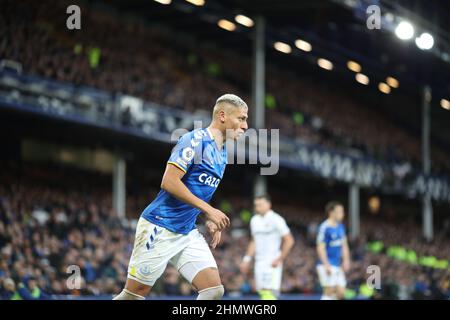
155, 247
335, 279
268, 277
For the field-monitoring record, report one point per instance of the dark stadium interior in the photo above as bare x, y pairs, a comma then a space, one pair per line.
56, 171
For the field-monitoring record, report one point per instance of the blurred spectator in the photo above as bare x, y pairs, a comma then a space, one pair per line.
83, 231
152, 63
51, 219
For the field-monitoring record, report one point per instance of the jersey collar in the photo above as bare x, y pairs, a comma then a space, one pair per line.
268, 213
210, 133
214, 141
330, 224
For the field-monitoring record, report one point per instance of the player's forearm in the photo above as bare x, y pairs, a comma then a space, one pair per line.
249, 253
288, 243
345, 252
179, 190
322, 254
251, 249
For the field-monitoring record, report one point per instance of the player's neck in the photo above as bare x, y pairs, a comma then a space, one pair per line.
332, 222
217, 134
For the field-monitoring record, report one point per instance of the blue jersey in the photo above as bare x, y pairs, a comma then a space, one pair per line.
333, 237
196, 154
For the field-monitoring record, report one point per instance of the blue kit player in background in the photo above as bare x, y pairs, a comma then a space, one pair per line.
333, 252
166, 231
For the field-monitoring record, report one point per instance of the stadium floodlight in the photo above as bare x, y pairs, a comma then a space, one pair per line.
303, 45
389, 16
374, 204
226, 24
362, 78
383, 87
392, 82
354, 66
164, 1
282, 47
197, 2
244, 20
445, 104
404, 30
425, 41
325, 64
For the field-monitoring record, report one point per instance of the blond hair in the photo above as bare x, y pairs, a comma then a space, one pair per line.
230, 99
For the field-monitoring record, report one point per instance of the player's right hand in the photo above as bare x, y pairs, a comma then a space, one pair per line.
218, 217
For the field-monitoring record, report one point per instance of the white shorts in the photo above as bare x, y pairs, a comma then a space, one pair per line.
335, 279
268, 277
155, 247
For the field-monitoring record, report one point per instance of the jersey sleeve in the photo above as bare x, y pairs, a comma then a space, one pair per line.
344, 233
321, 234
183, 153
252, 226
282, 227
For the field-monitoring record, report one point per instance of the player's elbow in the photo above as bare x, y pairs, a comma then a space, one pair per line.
165, 184
290, 240
169, 184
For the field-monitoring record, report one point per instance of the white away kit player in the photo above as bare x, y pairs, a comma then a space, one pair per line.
270, 244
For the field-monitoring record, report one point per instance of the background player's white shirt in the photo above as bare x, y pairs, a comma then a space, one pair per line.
267, 231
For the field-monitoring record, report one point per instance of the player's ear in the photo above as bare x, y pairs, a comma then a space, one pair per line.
222, 116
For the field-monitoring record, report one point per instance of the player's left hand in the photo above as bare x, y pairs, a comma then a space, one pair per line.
216, 239
214, 232
211, 226
276, 262
346, 265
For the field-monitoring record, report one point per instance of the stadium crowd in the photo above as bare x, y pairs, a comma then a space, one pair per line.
130, 56
54, 217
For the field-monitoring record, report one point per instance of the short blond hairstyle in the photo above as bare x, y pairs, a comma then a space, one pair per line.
229, 99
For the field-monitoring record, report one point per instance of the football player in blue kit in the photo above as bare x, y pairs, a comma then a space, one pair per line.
166, 231
333, 252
